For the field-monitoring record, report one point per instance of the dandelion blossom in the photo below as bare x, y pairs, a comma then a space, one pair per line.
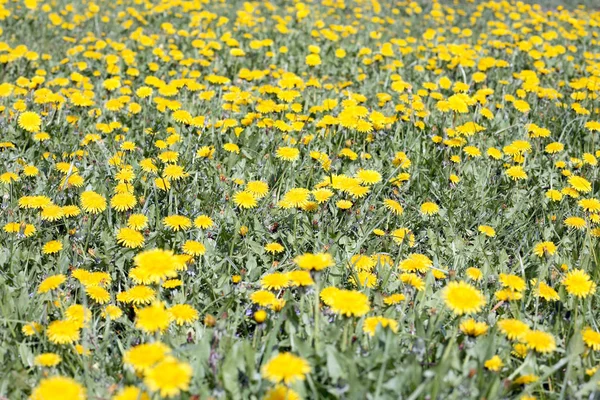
487, 230
154, 318
130, 238
58, 388
47, 360
580, 184
193, 248
392, 205
473, 328
370, 325
51, 283
429, 208
142, 357
30, 121
288, 153
591, 338
275, 281
544, 248
98, 294
154, 265
281, 392
183, 314
169, 377
51, 247
177, 222
63, 331
123, 201
137, 221
203, 222
578, 283
286, 368
316, 262
463, 298
516, 173
350, 303
92, 202
494, 364
244, 199
263, 298
539, 341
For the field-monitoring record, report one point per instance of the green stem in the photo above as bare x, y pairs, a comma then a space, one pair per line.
317, 312
345, 334
388, 339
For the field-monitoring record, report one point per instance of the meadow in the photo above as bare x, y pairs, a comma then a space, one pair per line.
354, 199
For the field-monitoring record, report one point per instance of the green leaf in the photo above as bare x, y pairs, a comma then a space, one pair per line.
334, 369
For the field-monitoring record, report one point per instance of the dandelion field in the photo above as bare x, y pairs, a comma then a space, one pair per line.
282, 200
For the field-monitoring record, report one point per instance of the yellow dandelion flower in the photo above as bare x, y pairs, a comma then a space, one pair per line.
169, 377
487, 230
288, 153
281, 392
463, 298
394, 299
544, 248
300, 278
263, 298
193, 248
578, 283
153, 318
244, 199
63, 331
47, 360
177, 222
371, 323
286, 368
473, 328
92, 202
314, 262
130, 238
144, 356
123, 201
539, 341
30, 121
98, 294
183, 314
275, 281
58, 388
137, 222
429, 208
51, 283
591, 338
52, 247
155, 265
580, 184
494, 364
350, 303
393, 206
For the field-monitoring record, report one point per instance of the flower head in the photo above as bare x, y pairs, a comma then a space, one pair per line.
316, 262
539, 341
58, 388
349, 303
169, 377
463, 298
578, 283
154, 318
371, 323
30, 121
286, 368
144, 356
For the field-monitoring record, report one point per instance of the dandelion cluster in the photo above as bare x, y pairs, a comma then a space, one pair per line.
307, 199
